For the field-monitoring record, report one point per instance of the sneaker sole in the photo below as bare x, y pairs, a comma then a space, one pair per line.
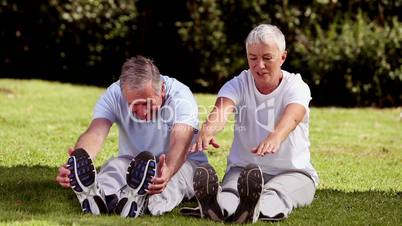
249, 185
139, 176
127, 208
206, 187
82, 180
191, 212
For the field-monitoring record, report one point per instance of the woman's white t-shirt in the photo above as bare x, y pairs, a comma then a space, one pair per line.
256, 115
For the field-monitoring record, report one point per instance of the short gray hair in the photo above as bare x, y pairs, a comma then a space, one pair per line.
137, 72
264, 33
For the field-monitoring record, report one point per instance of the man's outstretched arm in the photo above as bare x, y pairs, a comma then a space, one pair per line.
91, 140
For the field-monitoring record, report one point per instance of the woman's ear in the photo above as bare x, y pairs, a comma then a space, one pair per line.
283, 56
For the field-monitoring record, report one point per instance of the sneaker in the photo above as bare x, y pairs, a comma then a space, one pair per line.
249, 186
206, 188
83, 182
278, 217
191, 211
134, 197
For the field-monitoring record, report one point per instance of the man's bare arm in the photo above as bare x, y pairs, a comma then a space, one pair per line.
93, 138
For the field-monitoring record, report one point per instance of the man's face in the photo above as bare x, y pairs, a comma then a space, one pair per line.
144, 103
265, 61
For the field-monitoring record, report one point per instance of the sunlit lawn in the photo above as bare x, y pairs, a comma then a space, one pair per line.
357, 153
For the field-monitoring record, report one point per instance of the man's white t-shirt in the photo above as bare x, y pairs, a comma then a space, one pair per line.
256, 115
137, 135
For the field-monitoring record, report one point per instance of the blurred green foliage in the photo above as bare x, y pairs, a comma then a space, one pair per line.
214, 33
348, 56
354, 62
99, 21
347, 51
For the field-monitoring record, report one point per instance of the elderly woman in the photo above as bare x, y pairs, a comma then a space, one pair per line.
268, 169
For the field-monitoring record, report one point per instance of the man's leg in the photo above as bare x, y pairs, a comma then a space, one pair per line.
112, 175
284, 192
179, 186
112, 178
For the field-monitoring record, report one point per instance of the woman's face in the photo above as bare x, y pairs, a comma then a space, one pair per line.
265, 61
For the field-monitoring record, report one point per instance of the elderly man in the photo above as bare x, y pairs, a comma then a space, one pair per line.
156, 116
269, 171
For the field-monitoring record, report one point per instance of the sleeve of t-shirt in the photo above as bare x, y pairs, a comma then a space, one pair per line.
232, 90
186, 109
107, 104
298, 93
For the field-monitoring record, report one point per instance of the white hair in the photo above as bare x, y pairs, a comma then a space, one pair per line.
264, 33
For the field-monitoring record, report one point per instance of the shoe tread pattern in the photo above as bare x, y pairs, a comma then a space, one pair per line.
206, 187
144, 164
84, 168
249, 186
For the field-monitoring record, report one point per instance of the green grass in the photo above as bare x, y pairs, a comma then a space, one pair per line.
357, 153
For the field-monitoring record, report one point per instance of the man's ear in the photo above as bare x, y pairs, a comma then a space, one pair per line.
163, 89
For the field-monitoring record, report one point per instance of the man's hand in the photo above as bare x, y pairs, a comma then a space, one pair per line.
62, 177
202, 142
269, 145
162, 177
